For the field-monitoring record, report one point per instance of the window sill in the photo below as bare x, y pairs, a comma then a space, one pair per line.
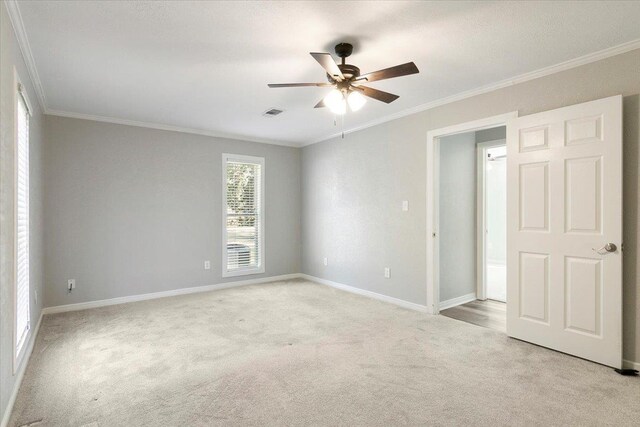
247, 272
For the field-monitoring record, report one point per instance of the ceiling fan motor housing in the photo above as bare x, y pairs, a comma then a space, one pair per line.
350, 72
344, 49
346, 78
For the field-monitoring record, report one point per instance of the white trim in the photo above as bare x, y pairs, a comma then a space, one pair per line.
522, 78
226, 157
164, 294
433, 255
433, 274
481, 274
19, 375
23, 42
158, 126
630, 364
226, 285
481, 220
457, 301
358, 291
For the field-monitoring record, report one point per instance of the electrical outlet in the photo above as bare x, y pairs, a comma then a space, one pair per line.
207, 265
325, 261
387, 272
71, 284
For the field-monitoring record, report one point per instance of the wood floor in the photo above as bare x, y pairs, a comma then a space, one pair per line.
489, 314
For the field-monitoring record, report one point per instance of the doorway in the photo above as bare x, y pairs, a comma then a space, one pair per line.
472, 240
451, 245
564, 227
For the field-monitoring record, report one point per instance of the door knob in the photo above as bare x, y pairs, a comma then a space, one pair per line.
609, 247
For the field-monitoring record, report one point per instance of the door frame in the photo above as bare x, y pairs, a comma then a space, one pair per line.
481, 215
433, 170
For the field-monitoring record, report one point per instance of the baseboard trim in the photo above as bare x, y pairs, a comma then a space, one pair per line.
358, 291
20, 374
226, 285
630, 364
457, 301
164, 294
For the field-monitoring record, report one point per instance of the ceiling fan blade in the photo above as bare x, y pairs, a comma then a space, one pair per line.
377, 94
389, 73
299, 84
320, 104
327, 62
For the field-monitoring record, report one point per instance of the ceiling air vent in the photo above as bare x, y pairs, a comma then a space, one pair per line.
272, 112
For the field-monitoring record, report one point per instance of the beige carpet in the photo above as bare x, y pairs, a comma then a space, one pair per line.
298, 353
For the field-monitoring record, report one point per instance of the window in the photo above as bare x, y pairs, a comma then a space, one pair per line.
22, 317
243, 215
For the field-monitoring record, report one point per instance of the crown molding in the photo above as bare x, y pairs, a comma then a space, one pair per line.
171, 128
563, 66
23, 42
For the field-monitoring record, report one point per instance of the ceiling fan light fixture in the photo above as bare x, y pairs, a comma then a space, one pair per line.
356, 100
347, 80
336, 102
340, 108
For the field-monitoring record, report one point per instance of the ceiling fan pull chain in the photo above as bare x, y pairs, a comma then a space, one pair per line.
342, 126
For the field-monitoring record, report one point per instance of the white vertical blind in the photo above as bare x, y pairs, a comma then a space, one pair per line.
22, 224
243, 215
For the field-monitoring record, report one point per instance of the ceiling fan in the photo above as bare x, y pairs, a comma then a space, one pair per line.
347, 81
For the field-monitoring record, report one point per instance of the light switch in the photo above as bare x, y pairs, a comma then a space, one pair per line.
405, 205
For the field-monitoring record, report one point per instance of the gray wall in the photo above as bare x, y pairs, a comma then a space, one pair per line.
353, 187
493, 134
133, 210
457, 215
11, 57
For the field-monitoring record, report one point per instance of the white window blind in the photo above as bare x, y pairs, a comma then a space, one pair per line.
243, 250
22, 223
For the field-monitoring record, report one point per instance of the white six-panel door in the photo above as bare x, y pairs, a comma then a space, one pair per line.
564, 204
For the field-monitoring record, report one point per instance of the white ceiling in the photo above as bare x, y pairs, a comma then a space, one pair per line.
205, 65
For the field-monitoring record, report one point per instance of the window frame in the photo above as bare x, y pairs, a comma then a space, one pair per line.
226, 158
20, 96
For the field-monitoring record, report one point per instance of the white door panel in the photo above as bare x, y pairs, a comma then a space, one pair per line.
564, 199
